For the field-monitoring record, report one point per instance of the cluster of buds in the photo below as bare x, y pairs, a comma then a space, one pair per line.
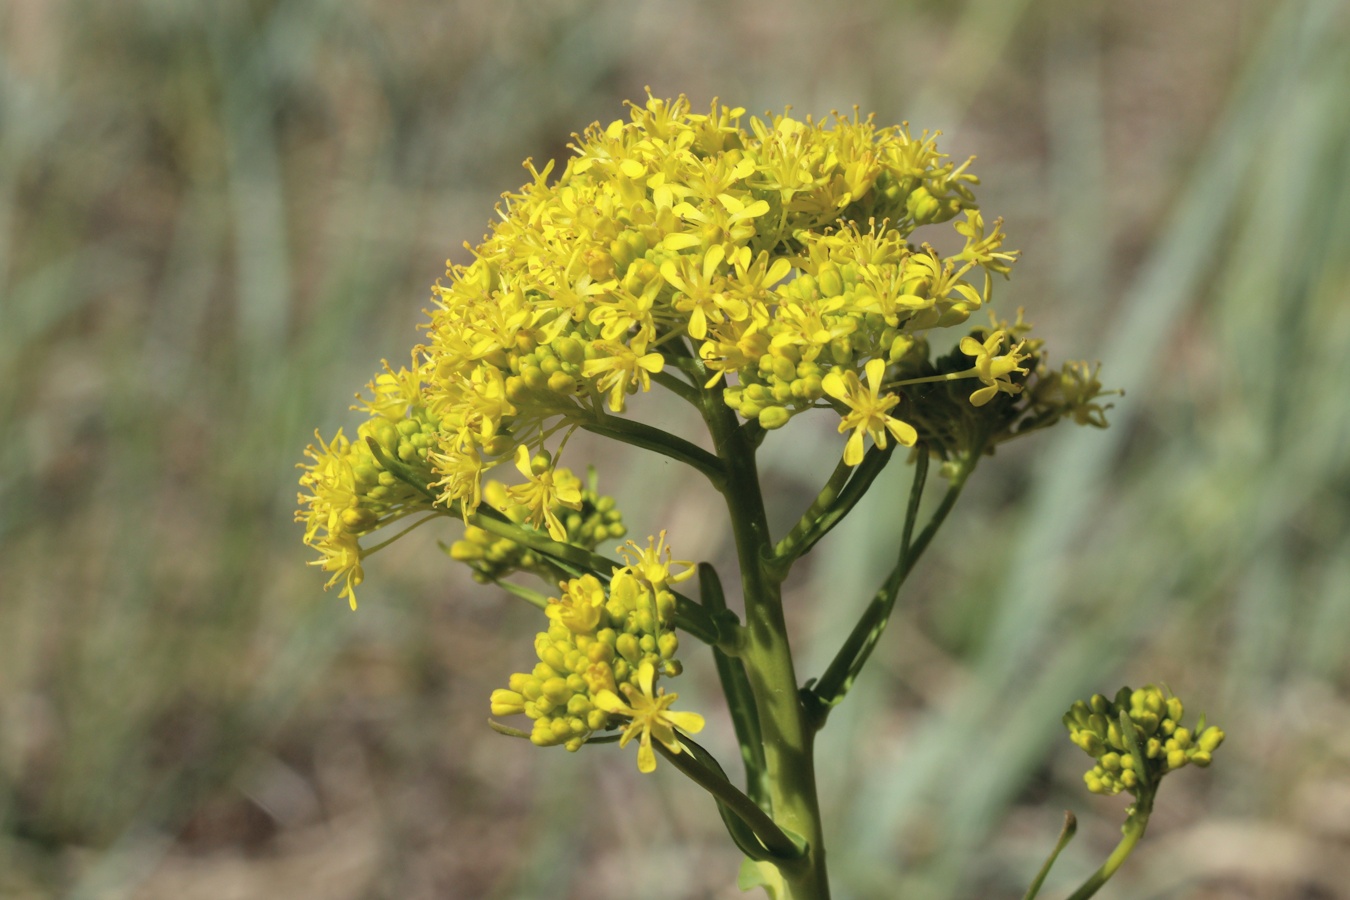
1137, 738
603, 640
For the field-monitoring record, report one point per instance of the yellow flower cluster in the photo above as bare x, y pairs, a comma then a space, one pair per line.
773, 260
604, 640
1159, 743
1019, 393
767, 264
351, 493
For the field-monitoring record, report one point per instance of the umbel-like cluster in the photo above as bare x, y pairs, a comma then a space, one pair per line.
600, 644
773, 264
770, 265
1156, 744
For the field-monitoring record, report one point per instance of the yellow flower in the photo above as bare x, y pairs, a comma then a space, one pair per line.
993, 370
621, 370
650, 717
546, 488
868, 410
647, 561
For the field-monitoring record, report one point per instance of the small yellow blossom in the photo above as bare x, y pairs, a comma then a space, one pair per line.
647, 561
621, 370
544, 489
868, 410
650, 717
994, 370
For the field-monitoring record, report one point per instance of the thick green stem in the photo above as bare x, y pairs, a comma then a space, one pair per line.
787, 736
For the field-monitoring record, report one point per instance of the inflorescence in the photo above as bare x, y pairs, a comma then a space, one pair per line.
768, 265
1155, 744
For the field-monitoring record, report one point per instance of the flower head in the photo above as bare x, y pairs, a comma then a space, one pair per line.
868, 409
1137, 738
650, 716
773, 263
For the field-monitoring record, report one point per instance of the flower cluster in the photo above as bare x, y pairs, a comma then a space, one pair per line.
352, 491
603, 641
1155, 744
769, 265
1020, 393
772, 263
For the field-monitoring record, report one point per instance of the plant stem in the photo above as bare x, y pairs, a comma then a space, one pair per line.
788, 739
1134, 830
1065, 835
862, 640
836, 500
650, 438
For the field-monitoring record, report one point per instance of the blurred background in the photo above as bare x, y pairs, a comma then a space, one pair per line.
217, 218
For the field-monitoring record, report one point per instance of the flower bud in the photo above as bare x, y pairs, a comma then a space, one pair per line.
507, 703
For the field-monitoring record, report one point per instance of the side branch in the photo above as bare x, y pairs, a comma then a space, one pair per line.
836, 500
857, 648
577, 561
689, 615
649, 438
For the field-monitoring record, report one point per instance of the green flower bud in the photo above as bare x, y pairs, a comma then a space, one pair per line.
1210, 739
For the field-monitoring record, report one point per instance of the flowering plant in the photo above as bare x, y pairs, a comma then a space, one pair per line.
760, 272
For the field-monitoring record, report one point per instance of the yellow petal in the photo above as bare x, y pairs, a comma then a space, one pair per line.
833, 384
903, 431
853, 450
646, 756
688, 722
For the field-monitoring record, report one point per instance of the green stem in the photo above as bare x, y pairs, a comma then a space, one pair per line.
650, 438
862, 640
787, 737
1065, 835
675, 385
534, 598
841, 493
740, 697
972, 372
1134, 830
